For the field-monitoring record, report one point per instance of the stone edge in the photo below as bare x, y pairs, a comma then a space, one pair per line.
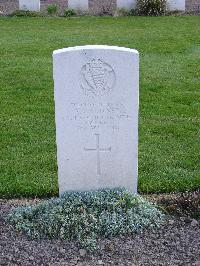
93, 47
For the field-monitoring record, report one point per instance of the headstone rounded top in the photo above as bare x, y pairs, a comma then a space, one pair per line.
95, 47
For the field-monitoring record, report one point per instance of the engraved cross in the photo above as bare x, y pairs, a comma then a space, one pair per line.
98, 150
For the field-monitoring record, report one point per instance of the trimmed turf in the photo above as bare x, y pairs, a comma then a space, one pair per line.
169, 149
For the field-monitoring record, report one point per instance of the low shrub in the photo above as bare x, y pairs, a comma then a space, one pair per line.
175, 13
122, 12
84, 216
151, 7
25, 13
106, 9
82, 13
69, 12
52, 9
133, 12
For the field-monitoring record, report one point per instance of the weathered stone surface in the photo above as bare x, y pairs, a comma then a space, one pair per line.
8, 6
96, 104
102, 7
192, 5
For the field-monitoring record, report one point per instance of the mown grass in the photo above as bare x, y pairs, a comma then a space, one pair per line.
169, 146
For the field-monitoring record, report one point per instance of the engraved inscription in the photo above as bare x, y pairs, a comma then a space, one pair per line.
97, 78
98, 150
94, 116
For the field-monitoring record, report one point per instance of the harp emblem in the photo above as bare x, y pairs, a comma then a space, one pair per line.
97, 77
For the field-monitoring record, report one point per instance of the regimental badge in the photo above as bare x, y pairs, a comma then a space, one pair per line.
97, 78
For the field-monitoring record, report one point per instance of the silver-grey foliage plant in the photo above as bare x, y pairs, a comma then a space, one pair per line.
84, 216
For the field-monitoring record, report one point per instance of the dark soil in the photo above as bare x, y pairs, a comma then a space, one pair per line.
175, 243
181, 204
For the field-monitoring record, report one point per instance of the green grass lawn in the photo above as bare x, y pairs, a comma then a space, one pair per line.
169, 133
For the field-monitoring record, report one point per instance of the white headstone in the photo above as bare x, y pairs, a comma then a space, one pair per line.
96, 106
176, 5
78, 4
31, 5
128, 4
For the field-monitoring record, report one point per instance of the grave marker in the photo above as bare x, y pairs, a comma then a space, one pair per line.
31, 5
96, 105
78, 4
